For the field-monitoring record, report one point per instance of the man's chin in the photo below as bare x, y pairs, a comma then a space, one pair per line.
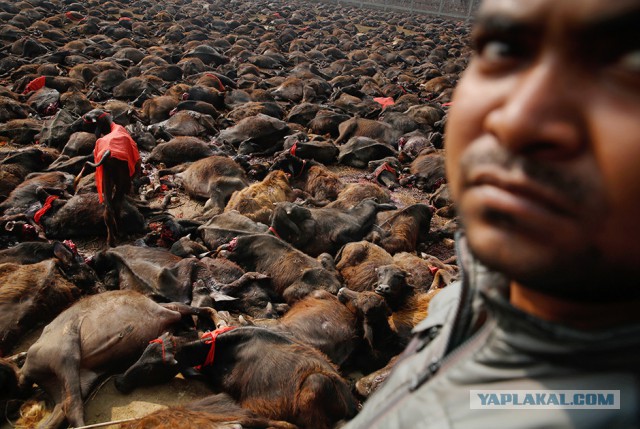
537, 263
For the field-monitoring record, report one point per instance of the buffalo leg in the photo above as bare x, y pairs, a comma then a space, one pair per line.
109, 216
187, 310
68, 372
55, 419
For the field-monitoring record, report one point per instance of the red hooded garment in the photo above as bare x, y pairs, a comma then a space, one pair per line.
122, 146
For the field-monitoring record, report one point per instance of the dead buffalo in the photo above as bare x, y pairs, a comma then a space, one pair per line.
376, 130
213, 178
197, 106
327, 122
357, 263
158, 109
99, 335
427, 172
253, 108
79, 143
258, 200
179, 150
248, 363
409, 307
353, 193
321, 321
358, 151
34, 294
293, 273
154, 272
223, 284
15, 167
25, 196
403, 230
20, 131
221, 228
321, 185
13, 109
324, 230
414, 143
260, 134
206, 94
318, 150
186, 123
381, 342
83, 216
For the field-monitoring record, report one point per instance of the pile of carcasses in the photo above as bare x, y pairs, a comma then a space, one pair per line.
290, 226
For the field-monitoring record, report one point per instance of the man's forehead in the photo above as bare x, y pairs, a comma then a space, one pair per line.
570, 12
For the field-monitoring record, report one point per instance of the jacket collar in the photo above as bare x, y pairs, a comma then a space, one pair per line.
489, 292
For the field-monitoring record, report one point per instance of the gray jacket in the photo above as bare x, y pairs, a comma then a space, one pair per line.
473, 339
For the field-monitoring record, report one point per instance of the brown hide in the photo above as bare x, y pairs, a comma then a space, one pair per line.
257, 201
404, 229
323, 322
154, 272
264, 371
158, 109
215, 178
96, 336
353, 193
213, 412
360, 127
357, 262
179, 150
418, 270
34, 294
293, 273
412, 312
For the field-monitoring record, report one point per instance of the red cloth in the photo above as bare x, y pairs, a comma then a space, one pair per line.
122, 146
159, 341
273, 230
384, 101
74, 16
45, 208
35, 84
217, 80
384, 167
210, 338
293, 148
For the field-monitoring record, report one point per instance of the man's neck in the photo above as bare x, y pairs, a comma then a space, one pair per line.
580, 315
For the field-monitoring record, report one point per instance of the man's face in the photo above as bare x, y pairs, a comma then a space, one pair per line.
543, 145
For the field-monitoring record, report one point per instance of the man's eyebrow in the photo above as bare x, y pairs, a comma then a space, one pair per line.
624, 22
501, 23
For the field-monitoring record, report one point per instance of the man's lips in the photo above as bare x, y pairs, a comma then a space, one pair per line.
518, 187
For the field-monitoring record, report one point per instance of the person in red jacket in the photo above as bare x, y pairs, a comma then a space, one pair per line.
117, 160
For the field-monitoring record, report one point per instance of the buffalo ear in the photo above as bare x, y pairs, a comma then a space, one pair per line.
65, 255
221, 296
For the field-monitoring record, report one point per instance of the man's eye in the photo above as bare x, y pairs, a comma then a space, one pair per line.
496, 50
630, 62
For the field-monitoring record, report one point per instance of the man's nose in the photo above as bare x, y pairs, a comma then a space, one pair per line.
541, 115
